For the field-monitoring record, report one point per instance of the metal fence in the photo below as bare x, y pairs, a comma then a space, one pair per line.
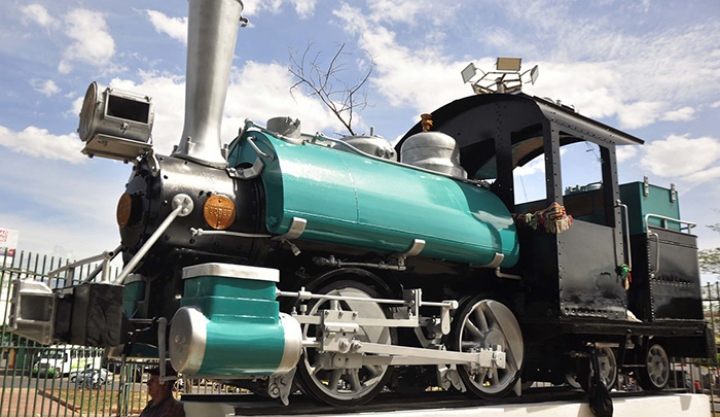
60, 380
66, 380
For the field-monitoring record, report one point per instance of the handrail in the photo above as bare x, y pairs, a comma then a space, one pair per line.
626, 229
665, 219
650, 234
106, 257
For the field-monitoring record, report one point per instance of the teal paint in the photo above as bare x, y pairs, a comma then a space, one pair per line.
133, 293
658, 201
352, 200
244, 335
245, 346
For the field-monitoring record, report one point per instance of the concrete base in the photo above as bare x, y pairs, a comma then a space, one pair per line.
677, 405
662, 406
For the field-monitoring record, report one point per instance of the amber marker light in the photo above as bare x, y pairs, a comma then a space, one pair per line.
219, 212
124, 209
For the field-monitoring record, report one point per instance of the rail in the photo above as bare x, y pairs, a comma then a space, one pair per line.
654, 236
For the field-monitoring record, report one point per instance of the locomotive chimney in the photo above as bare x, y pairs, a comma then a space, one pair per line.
212, 32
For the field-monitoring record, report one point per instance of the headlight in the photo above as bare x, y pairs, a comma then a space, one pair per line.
124, 210
115, 124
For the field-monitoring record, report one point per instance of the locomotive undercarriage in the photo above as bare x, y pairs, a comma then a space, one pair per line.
357, 338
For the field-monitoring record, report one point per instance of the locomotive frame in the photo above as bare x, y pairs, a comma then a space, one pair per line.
291, 260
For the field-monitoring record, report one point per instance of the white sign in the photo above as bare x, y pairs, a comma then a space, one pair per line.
8, 241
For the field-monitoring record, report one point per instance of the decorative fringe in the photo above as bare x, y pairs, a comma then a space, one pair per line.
556, 220
553, 219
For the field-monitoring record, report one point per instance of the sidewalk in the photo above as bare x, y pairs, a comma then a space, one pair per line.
26, 402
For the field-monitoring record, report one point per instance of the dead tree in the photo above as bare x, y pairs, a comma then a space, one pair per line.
327, 85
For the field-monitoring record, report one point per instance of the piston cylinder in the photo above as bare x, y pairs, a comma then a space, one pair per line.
230, 325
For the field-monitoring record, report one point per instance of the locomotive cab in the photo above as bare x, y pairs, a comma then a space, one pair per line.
620, 260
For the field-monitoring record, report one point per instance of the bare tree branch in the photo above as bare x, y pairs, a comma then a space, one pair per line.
321, 81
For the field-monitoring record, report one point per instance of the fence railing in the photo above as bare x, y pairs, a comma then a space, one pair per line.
60, 380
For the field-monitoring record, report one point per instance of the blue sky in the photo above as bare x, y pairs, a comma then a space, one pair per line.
651, 68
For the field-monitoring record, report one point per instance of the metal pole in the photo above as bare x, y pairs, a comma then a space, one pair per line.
713, 359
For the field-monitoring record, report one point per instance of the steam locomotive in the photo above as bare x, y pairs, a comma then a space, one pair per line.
290, 260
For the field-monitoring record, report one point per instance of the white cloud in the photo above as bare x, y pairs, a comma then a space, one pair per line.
585, 85
304, 8
639, 114
679, 115
410, 12
46, 87
38, 142
420, 79
535, 166
704, 175
175, 27
92, 43
625, 152
682, 156
715, 104
39, 14
261, 91
76, 106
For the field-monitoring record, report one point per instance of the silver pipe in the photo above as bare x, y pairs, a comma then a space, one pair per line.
203, 232
104, 267
212, 32
306, 295
146, 247
101, 257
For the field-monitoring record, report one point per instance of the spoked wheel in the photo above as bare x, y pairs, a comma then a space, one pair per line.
484, 323
656, 373
345, 386
608, 369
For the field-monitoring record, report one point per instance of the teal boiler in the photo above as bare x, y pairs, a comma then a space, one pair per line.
356, 201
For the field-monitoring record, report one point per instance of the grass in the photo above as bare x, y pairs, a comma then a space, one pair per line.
98, 402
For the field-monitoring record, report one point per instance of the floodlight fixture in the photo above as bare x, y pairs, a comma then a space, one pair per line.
534, 72
469, 72
508, 64
505, 79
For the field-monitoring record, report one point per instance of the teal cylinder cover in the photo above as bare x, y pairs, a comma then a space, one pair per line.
229, 324
353, 200
133, 293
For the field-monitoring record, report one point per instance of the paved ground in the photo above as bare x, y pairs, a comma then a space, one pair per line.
26, 402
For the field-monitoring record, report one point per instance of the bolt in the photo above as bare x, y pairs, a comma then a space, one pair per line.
344, 345
327, 313
355, 314
179, 339
356, 346
340, 314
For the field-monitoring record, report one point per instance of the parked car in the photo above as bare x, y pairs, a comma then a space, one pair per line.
91, 378
59, 360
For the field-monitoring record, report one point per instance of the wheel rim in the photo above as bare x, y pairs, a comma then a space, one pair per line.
608, 366
658, 366
488, 323
354, 385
